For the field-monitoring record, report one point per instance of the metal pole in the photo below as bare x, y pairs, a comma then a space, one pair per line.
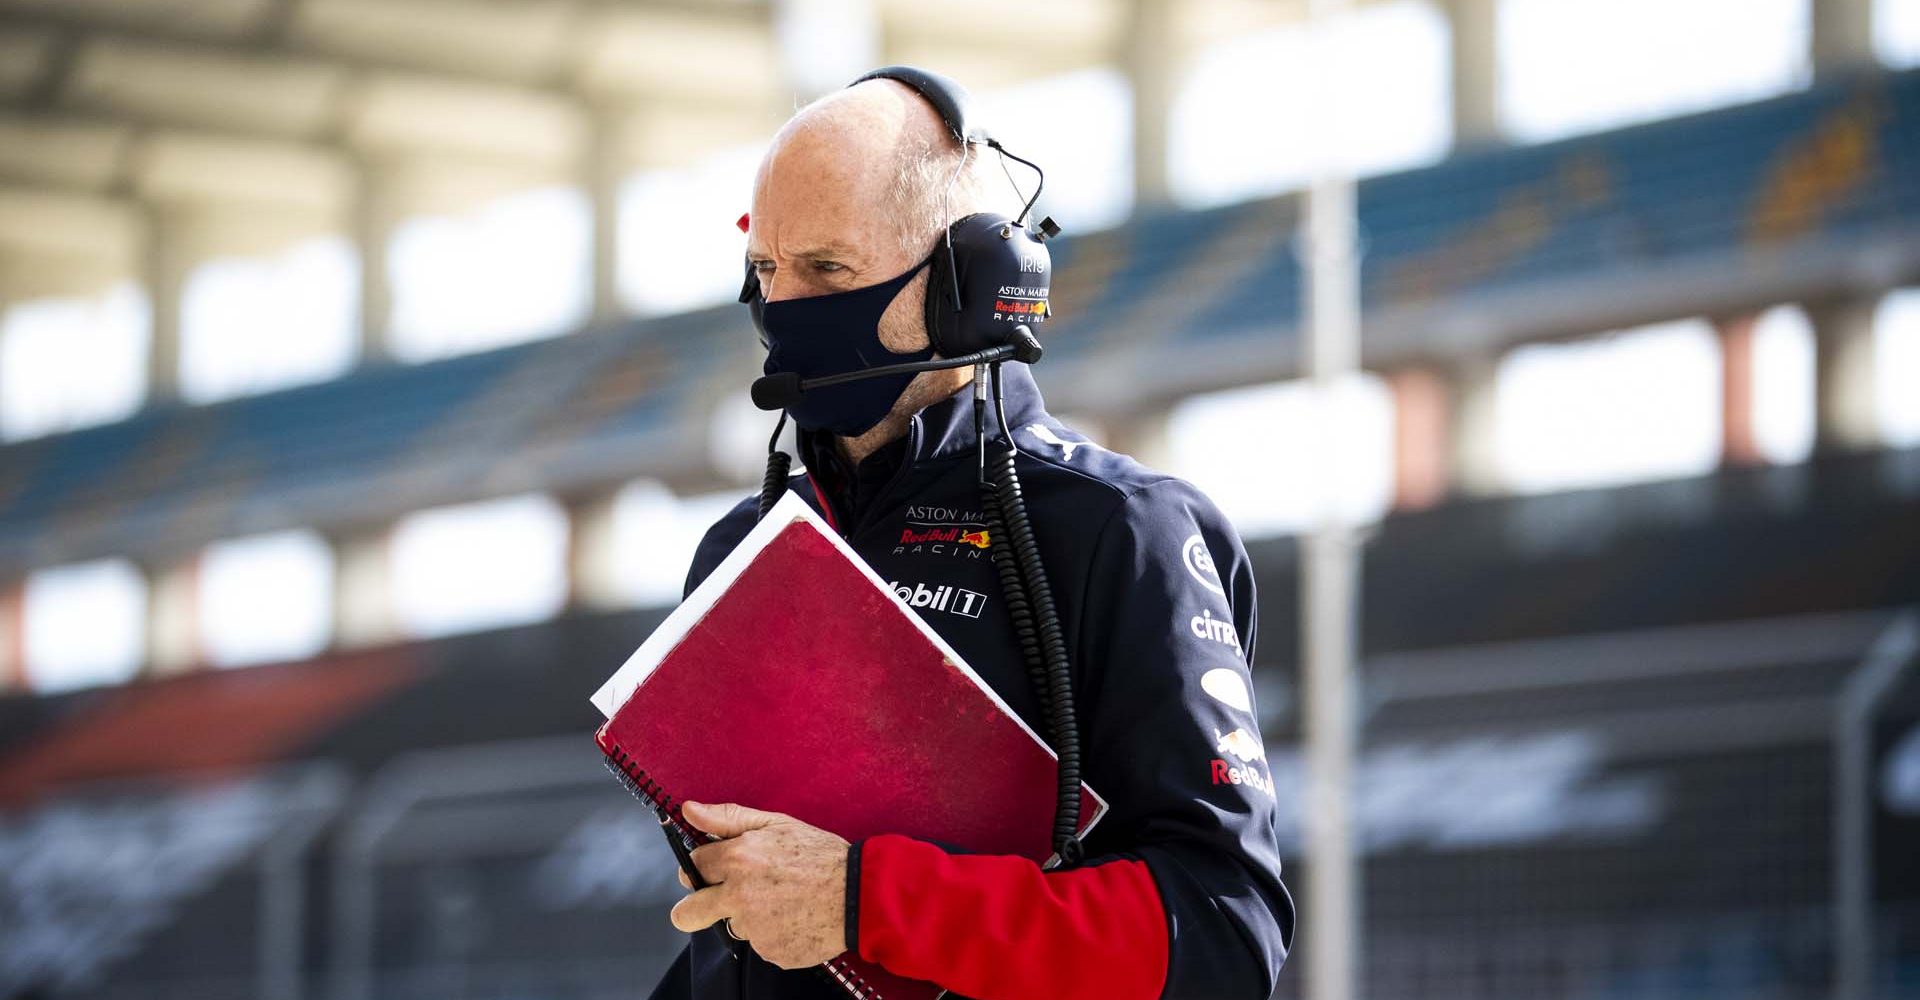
405, 783
1859, 699
1330, 570
321, 791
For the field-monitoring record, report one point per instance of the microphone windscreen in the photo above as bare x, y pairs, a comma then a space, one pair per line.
777, 391
1026, 347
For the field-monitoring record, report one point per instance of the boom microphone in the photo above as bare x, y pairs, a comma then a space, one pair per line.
777, 391
783, 389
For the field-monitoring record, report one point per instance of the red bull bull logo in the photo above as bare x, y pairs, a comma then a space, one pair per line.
977, 539
1241, 744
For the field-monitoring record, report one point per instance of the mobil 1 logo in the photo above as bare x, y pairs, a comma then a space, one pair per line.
944, 597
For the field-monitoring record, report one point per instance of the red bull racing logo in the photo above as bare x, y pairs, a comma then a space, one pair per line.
978, 539
1246, 748
1038, 310
969, 540
1024, 302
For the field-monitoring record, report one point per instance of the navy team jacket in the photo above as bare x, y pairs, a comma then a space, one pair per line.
1180, 895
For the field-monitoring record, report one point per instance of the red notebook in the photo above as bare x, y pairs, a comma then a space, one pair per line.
793, 679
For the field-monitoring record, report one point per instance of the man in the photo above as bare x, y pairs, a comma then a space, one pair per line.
1180, 893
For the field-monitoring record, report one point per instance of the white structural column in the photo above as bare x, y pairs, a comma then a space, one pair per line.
1844, 370
363, 590
1842, 36
173, 616
593, 560
163, 267
601, 171
1152, 63
1329, 590
1473, 391
372, 218
1474, 28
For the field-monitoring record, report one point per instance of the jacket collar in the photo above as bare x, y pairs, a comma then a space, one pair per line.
946, 427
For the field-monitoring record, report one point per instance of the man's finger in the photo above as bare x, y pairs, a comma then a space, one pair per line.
699, 910
714, 860
681, 874
727, 819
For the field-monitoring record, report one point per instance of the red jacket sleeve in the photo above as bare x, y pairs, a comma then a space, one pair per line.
994, 926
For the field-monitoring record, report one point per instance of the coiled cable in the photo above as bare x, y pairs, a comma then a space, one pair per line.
779, 464
1037, 627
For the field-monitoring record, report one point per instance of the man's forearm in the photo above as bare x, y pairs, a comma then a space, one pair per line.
993, 926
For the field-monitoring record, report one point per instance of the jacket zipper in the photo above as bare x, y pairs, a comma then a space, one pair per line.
887, 491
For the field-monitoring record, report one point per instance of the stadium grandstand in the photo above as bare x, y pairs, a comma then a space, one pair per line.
369, 370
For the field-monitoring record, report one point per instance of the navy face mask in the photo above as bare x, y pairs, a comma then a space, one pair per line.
831, 334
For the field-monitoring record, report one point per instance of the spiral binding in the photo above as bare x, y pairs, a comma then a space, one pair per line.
850, 979
659, 802
648, 791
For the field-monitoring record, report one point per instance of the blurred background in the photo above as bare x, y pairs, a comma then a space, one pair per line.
369, 370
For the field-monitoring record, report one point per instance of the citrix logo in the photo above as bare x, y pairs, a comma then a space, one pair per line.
951, 599
1205, 626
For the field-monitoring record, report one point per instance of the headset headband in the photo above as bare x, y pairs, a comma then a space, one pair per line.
948, 98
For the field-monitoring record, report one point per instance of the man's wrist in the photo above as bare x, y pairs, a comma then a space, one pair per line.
853, 898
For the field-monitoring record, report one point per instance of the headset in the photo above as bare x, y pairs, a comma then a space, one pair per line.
990, 273
988, 287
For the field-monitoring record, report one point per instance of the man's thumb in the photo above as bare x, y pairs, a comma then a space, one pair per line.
726, 819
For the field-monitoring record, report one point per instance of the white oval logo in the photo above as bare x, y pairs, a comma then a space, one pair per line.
1200, 563
1227, 687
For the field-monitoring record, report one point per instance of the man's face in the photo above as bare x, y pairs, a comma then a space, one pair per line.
821, 223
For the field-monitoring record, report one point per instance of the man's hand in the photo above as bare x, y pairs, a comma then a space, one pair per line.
781, 884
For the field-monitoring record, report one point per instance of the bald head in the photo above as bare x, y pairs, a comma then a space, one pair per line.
854, 190
864, 171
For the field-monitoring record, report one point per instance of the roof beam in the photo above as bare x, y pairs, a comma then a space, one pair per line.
330, 109
61, 53
279, 35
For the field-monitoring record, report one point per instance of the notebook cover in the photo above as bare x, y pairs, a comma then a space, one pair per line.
794, 680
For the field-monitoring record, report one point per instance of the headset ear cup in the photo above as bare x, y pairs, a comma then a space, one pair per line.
1003, 271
